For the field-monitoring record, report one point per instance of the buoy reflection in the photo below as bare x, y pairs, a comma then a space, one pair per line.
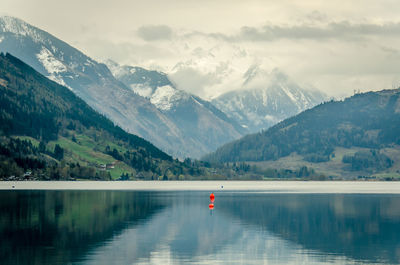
211, 205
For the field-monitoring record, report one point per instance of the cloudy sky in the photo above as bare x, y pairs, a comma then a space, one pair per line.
206, 46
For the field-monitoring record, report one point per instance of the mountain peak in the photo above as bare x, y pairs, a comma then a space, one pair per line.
152, 85
266, 98
142, 81
19, 27
12, 24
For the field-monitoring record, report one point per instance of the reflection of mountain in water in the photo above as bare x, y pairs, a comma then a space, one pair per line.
360, 227
118, 227
265, 227
181, 232
53, 227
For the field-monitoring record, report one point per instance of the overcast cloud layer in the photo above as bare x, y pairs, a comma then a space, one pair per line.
206, 46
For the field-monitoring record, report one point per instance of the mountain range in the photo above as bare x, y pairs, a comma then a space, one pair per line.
203, 125
94, 83
49, 133
148, 104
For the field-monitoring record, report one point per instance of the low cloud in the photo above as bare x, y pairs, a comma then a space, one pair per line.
126, 52
343, 30
154, 32
334, 30
193, 81
317, 30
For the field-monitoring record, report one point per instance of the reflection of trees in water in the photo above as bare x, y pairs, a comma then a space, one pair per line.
361, 227
46, 227
39, 227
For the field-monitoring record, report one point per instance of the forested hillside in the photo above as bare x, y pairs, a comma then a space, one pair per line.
47, 130
369, 122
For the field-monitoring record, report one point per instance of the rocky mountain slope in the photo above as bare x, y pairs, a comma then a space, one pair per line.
197, 118
265, 99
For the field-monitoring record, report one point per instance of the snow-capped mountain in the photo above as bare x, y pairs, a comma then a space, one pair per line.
149, 117
191, 114
142, 81
152, 85
266, 98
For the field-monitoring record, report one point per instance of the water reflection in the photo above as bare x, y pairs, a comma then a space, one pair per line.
116, 227
57, 227
360, 227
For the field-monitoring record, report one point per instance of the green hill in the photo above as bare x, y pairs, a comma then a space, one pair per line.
47, 130
357, 136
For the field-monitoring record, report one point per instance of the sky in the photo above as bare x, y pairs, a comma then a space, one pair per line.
207, 46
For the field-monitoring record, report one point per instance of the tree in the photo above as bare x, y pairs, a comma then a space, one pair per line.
58, 152
42, 147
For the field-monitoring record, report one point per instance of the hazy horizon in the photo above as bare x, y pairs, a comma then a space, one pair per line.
206, 47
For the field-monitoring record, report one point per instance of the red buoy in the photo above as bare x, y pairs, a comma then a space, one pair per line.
211, 206
212, 197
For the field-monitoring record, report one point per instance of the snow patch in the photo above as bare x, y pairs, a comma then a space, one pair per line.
88, 62
58, 80
50, 63
53, 66
164, 97
195, 100
1, 38
289, 94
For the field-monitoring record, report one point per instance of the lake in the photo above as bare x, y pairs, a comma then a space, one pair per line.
171, 223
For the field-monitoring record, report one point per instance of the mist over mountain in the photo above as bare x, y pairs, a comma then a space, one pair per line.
179, 123
203, 125
266, 98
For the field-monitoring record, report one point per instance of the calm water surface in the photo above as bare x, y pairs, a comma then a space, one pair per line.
177, 227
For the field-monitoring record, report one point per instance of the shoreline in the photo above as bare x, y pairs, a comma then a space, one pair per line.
213, 185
